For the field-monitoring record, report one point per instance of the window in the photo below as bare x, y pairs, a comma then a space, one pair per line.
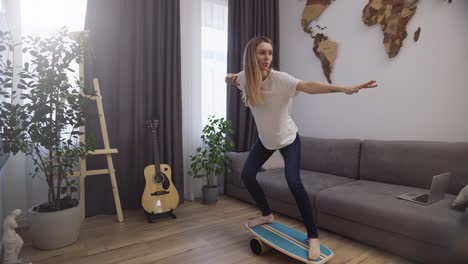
41, 18
214, 58
45, 17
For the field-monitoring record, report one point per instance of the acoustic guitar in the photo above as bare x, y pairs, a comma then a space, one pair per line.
160, 194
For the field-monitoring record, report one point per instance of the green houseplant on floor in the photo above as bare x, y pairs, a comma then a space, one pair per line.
211, 159
42, 120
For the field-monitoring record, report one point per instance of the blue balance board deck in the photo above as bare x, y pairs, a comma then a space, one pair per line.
289, 241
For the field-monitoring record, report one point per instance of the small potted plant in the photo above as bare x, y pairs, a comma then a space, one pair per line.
211, 159
42, 120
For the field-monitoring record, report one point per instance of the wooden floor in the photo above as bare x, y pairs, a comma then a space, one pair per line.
200, 234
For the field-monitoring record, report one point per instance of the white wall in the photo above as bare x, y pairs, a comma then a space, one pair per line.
422, 93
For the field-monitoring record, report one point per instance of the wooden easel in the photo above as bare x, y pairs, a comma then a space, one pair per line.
83, 173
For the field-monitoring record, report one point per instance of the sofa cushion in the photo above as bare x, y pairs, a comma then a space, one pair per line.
375, 204
274, 184
461, 201
413, 163
465, 218
276, 161
237, 164
331, 156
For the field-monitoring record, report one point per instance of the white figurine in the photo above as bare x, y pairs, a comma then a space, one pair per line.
12, 242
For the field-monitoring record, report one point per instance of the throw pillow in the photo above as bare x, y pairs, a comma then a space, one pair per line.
276, 161
461, 202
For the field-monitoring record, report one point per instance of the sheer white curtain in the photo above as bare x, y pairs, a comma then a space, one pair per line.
190, 44
203, 59
214, 57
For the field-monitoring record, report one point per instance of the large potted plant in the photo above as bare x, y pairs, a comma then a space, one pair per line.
211, 159
6, 75
42, 120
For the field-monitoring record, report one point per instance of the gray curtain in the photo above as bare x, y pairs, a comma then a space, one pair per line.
247, 19
135, 53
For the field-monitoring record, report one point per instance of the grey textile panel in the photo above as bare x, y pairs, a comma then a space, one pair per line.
286, 208
239, 193
395, 243
465, 218
375, 204
139, 77
461, 201
413, 163
274, 185
333, 156
237, 163
242, 25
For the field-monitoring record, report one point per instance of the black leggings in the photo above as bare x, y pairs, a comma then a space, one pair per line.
292, 159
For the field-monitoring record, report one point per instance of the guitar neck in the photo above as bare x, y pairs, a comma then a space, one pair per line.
156, 159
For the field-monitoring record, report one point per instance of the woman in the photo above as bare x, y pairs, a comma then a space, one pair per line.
268, 93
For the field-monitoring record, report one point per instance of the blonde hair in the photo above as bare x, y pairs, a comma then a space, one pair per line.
253, 75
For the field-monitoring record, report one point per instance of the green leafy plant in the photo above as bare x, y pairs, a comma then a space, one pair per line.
211, 159
42, 119
6, 75
6, 65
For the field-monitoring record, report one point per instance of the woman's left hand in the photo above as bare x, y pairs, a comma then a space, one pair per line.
355, 89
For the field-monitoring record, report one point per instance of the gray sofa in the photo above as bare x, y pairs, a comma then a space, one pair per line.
353, 186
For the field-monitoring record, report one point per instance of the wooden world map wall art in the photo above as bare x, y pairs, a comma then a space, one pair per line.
324, 48
392, 16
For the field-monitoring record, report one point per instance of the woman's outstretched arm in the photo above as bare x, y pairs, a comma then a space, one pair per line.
320, 88
231, 78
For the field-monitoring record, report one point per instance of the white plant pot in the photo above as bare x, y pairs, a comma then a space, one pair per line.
53, 230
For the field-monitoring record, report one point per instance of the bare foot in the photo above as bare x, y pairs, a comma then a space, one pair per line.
314, 248
261, 220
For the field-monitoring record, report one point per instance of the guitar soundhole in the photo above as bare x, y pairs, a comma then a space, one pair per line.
165, 169
161, 178
158, 178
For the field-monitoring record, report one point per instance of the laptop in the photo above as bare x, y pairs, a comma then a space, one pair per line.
438, 187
